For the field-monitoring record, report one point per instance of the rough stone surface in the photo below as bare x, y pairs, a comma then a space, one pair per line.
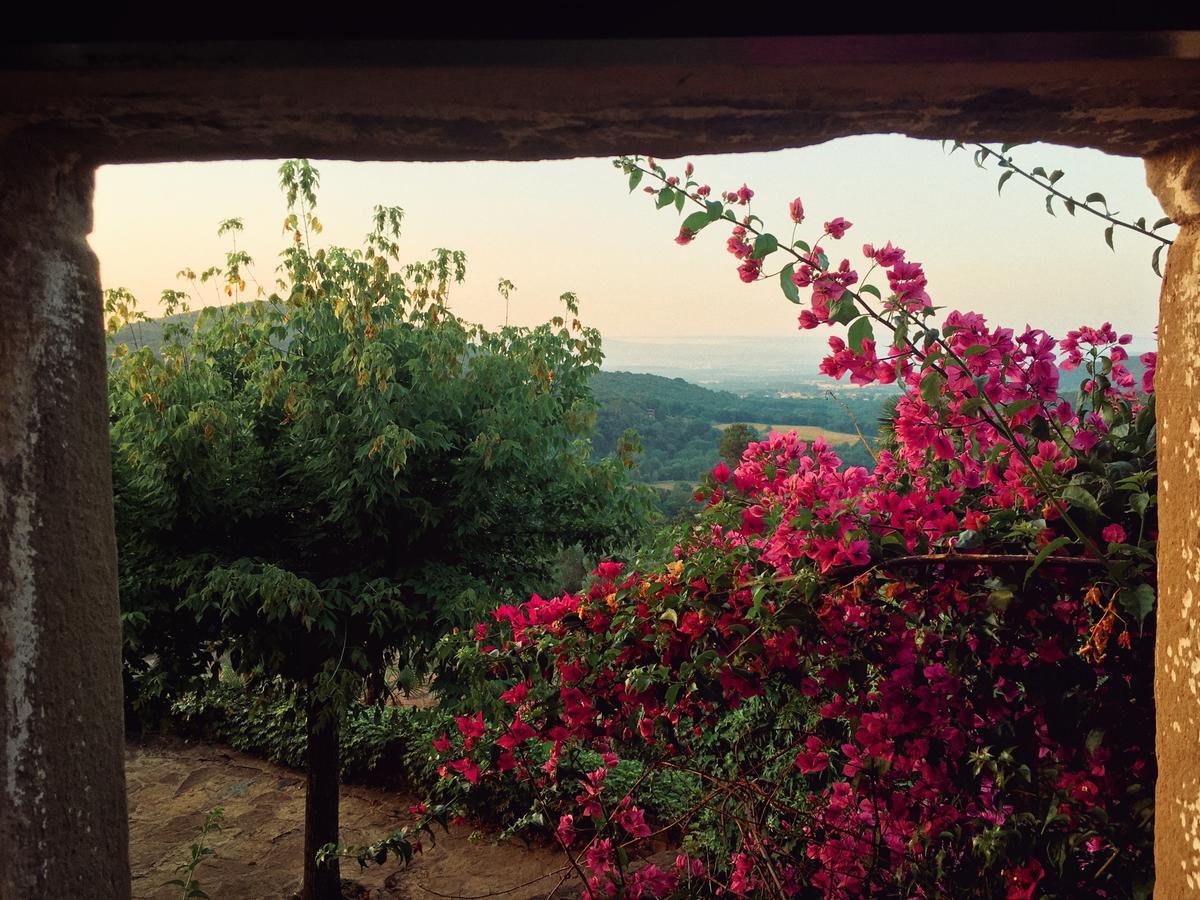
1175, 179
442, 100
62, 787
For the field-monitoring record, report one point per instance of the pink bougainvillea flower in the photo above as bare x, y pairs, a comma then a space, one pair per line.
1114, 534
633, 820
812, 760
837, 228
599, 856
796, 211
471, 727
1023, 881
566, 830
750, 270
468, 768
1150, 361
517, 693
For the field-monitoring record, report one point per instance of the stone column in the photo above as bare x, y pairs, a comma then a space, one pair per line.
1175, 179
63, 826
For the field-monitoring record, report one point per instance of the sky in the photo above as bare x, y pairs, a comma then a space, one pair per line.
572, 225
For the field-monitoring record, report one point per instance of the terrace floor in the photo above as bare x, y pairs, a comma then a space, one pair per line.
173, 783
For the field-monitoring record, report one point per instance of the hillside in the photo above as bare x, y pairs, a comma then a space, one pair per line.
680, 423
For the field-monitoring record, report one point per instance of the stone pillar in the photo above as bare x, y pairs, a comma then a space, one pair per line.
63, 825
1175, 179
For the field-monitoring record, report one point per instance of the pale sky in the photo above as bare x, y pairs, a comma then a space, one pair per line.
572, 225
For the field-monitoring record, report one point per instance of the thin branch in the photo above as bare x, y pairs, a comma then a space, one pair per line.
1046, 185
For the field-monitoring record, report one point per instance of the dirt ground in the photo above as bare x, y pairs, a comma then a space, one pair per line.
173, 783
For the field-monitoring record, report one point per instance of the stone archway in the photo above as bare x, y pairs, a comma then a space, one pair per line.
67, 108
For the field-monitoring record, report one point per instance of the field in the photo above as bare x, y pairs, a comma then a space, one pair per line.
806, 432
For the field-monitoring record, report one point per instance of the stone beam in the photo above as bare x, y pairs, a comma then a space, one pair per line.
63, 829
1131, 94
1175, 179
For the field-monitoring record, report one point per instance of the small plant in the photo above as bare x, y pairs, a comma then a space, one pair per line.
189, 886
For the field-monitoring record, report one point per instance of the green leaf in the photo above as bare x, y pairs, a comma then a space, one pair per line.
680, 199
635, 178
1079, 496
1019, 406
666, 196
1138, 601
696, 221
673, 694
1154, 260
1003, 178
1057, 544
764, 244
1096, 197
860, 331
872, 290
1050, 204
975, 350
715, 208
785, 282
1004, 148
1165, 220
1039, 171
1055, 175
1095, 736
931, 387
844, 311
1070, 204
1108, 237
802, 519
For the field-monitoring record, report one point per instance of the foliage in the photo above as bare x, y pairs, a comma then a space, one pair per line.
348, 463
322, 481
735, 439
189, 885
1094, 204
939, 670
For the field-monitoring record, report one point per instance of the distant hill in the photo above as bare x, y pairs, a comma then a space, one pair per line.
680, 424
150, 333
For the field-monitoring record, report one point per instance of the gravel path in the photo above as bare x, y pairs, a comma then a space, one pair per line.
172, 784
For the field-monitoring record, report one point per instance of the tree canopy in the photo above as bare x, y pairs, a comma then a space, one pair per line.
329, 477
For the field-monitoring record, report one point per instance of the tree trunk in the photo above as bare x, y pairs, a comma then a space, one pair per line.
374, 688
321, 803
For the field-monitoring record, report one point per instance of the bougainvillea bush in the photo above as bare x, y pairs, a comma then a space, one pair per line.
933, 678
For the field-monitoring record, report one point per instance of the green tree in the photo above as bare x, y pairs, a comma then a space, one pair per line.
735, 439
328, 478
